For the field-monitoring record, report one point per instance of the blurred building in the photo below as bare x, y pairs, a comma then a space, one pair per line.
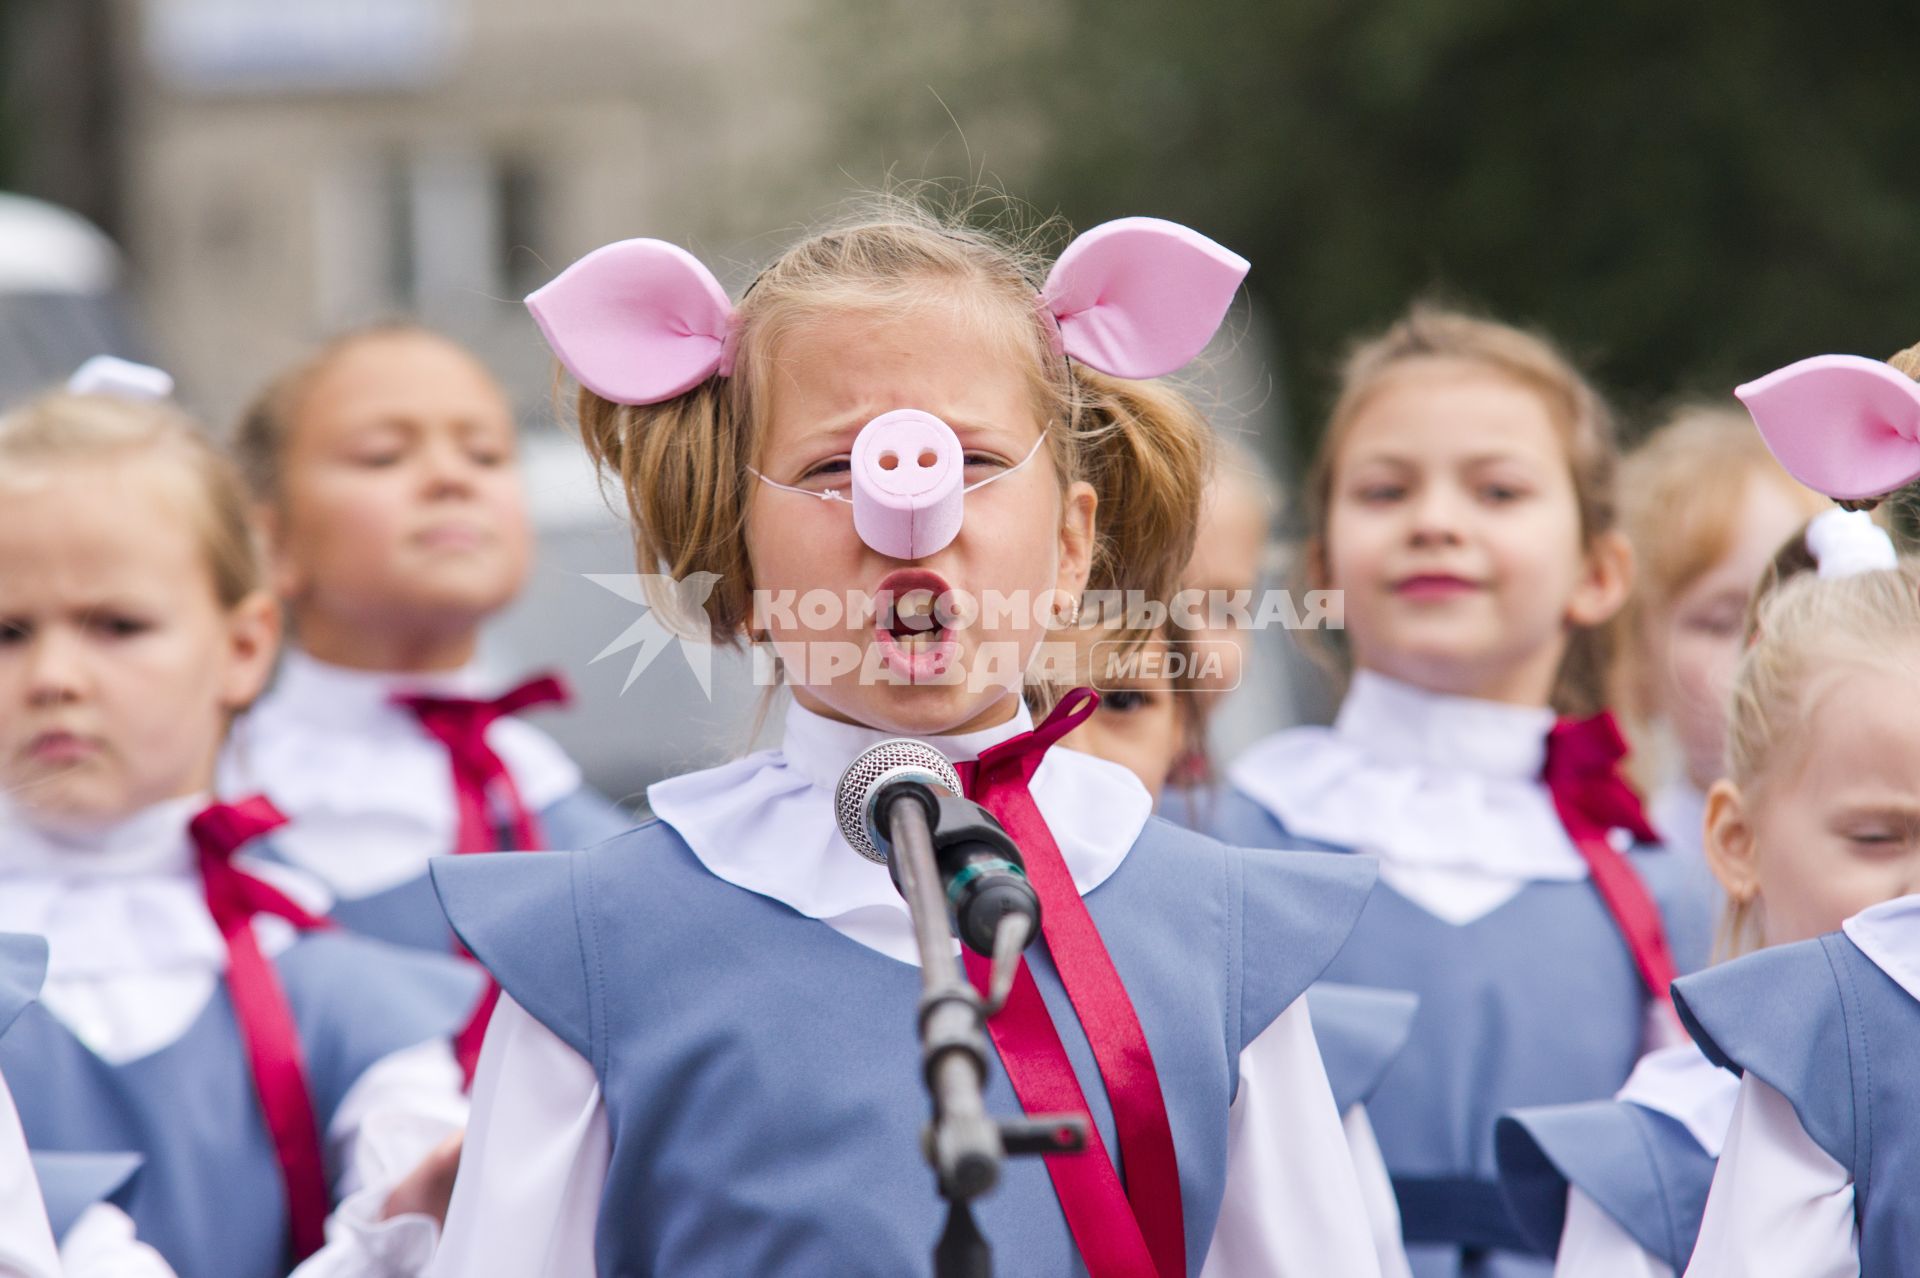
303, 165
277, 170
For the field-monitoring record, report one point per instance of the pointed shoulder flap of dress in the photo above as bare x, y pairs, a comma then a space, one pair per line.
523, 915
1783, 1014
1643, 1169
1361, 1031
359, 1000
23, 967
1295, 911
70, 1183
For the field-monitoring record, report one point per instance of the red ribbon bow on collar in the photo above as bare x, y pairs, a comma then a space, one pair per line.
1138, 1231
1582, 773
493, 817
483, 787
260, 1007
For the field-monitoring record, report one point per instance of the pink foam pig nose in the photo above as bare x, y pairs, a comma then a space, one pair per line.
908, 484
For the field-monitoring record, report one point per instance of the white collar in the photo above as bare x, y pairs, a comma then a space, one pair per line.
1445, 790
133, 954
342, 697
1889, 934
766, 822
367, 788
1683, 1084
1400, 725
153, 841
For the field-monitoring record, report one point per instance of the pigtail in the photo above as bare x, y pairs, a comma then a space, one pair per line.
676, 463
1905, 501
1147, 452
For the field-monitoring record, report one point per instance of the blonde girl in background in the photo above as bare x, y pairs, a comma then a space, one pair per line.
386, 468
1705, 506
281, 1083
1816, 835
1617, 1188
1463, 504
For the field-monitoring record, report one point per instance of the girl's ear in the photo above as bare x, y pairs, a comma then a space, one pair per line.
1729, 842
252, 643
1076, 539
1604, 583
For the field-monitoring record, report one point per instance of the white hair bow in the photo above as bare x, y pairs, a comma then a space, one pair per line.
1846, 542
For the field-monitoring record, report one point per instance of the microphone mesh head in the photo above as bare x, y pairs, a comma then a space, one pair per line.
901, 758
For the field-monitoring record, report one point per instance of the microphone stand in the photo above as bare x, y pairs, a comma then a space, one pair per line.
963, 1143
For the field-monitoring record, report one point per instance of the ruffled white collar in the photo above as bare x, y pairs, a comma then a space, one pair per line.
1683, 1084
367, 788
151, 842
766, 822
133, 954
1889, 934
1444, 790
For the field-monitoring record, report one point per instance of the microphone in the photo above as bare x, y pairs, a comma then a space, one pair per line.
991, 906
899, 803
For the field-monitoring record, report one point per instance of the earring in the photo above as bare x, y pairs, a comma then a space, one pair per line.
1072, 618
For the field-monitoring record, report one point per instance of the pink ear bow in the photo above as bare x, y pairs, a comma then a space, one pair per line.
637, 322
1843, 425
1140, 297
642, 321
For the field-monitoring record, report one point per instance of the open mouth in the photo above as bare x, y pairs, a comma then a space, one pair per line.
913, 640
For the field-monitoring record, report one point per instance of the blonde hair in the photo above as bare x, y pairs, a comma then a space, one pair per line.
1682, 493
1906, 362
63, 428
683, 464
1803, 626
1428, 332
266, 426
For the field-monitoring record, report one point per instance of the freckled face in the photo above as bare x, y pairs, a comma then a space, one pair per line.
1023, 538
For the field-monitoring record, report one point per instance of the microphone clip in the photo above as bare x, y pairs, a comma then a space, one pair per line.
991, 906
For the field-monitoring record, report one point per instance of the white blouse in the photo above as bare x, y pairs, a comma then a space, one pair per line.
133, 958
1781, 1203
102, 1244
368, 788
528, 1195
1683, 1084
1444, 790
